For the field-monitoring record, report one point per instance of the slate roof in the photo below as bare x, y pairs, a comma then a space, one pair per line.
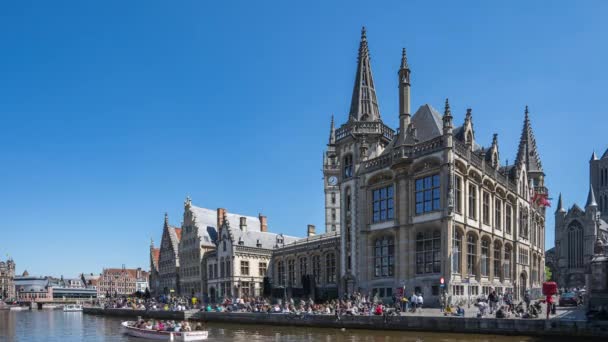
206, 221
267, 240
427, 122
605, 155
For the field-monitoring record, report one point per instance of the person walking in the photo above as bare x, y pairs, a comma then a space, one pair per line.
414, 301
419, 302
549, 305
492, 300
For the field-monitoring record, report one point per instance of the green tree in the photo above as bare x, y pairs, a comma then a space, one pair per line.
548, 273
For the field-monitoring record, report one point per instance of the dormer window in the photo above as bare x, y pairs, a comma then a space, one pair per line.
241, 242
258, 244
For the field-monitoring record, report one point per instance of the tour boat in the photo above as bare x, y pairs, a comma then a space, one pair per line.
19, 308
72, 308
164, 335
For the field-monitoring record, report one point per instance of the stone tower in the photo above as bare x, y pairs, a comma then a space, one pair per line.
598, 175
331, 174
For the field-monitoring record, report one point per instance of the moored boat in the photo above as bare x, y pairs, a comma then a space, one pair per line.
130, 330
72, 308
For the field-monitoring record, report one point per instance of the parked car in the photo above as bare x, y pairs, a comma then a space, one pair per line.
568, 298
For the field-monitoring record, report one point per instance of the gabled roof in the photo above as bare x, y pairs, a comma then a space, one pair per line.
257, 238
605, 155
206, 221
427, 122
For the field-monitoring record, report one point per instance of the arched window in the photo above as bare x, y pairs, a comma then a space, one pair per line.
471, 253
497, 258
303, 270
316, 268
456, 251
485, 257
384, 257
281, 273
330, 268
291, 272
472, 201
348, 166
428, 252
575, 245
507, 264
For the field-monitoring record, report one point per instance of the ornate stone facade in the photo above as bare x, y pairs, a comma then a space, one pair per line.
428, 202
7, 279
168, 260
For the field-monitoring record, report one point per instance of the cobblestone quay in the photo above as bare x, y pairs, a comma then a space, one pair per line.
468, 325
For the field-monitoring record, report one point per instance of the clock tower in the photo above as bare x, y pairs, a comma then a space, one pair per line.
331, 173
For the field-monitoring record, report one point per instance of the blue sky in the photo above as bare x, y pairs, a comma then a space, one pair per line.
112, 112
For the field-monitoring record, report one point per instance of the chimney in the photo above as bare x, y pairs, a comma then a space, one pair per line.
263, 223
221, 214
243, 224
311, 230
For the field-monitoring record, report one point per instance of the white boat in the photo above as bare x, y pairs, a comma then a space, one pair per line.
164, 335
72, 308
19, 308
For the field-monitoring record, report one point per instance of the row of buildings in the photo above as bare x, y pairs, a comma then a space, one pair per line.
424, 207
111, 282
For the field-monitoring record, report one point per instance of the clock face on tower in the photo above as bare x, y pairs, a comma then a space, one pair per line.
333, 180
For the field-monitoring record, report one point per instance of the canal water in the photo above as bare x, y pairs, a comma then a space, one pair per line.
56, 325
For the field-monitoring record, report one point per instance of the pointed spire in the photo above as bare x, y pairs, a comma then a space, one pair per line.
591, 198
166, 220
404, 65
495, 139
151, 242
364, 105
593, 156
447, 111
332, 132
527, 152
560, 205
447, 116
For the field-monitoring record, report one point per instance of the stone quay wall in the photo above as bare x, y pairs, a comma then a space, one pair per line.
522, 327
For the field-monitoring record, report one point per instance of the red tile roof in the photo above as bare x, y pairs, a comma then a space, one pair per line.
156, 254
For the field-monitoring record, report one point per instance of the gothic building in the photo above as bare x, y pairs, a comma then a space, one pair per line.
154, 275
427, 201
168, 260
578, 230
7, 279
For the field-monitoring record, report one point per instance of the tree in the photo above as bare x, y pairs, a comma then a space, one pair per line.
548, 273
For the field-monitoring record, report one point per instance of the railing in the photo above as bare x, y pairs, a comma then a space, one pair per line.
378, 162
363, 127
427, 147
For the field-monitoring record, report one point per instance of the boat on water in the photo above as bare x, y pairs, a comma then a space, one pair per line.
130, 330
72, 308
19, 308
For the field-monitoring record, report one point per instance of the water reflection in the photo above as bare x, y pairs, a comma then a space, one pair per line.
55, 325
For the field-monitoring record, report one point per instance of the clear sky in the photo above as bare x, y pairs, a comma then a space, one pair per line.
112, 112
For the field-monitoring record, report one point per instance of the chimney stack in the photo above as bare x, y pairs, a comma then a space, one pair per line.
221, 214
311, 230
243, 224
263, 223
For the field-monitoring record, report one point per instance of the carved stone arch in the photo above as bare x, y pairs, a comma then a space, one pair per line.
500, 191
426, 164
511, 198
460, 166
488, 183
475, 175
379, 177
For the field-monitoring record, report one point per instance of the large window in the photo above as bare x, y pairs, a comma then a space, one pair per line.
471, 254
303, 266
498, 214
497, 257
383, 204
428, 252
508, 218
523, 222
228, 272
485, 257
507, 264
330, 268
575, 245
262, 268
291, 272
472, 201
244, 267
384, 257
348, 166
281, 273
427, 194
456, 251
458, 195
316, 268
486, 208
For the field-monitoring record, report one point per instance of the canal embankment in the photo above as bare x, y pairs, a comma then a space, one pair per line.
465, 325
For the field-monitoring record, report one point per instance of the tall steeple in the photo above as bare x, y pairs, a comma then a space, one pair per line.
527, 152
364, 104
593, 156
332, 132
404, 94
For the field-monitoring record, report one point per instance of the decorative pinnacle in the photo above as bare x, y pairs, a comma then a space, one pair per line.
166, 218
447, 111
404, 60
495, 139
468, 116
363, 33
332, 131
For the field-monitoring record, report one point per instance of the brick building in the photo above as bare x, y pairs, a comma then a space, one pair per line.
120, 281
